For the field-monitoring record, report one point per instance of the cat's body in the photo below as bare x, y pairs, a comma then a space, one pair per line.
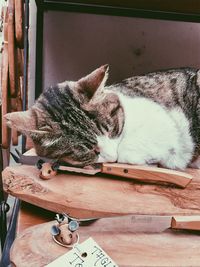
151, 134
146, 119
170, 88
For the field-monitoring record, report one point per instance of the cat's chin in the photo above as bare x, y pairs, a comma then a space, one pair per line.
104, 160
101, 159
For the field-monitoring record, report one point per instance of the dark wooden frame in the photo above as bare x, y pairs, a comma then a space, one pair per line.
178, 10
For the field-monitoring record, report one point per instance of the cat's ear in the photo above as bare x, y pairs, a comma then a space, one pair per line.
93, 81
26, 122
23, 121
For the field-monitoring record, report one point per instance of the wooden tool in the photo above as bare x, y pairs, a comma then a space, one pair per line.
135, 172
186, 222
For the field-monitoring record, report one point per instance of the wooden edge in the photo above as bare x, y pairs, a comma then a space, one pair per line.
186, 222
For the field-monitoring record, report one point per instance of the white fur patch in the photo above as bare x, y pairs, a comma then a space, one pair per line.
150, 134
108, 148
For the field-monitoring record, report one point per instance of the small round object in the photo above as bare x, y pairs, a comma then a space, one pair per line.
125, 171
55, 230
73, 226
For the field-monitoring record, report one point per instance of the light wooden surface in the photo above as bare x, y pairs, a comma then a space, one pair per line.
148, 173
90, 196
138, 244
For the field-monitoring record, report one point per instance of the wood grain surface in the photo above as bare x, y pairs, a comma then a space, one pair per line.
35, 247
4, 85
19, 22
12, 50
148, 173
91, 196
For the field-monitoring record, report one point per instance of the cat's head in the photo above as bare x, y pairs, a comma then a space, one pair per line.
66, 119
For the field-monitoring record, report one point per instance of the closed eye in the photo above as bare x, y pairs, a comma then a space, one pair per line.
45, 128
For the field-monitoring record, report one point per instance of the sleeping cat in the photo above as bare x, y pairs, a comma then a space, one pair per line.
146, 119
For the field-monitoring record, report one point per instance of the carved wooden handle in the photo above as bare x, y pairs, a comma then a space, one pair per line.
147, 173
186, 222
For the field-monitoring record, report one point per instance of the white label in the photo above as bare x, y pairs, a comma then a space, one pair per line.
86, 254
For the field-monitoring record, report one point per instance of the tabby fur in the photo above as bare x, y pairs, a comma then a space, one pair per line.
66, 120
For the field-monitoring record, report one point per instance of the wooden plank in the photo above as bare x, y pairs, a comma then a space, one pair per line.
12, 50
35, 247
91, 196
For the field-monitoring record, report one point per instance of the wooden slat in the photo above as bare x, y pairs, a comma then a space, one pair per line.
19, 22
90, 196
12, 50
